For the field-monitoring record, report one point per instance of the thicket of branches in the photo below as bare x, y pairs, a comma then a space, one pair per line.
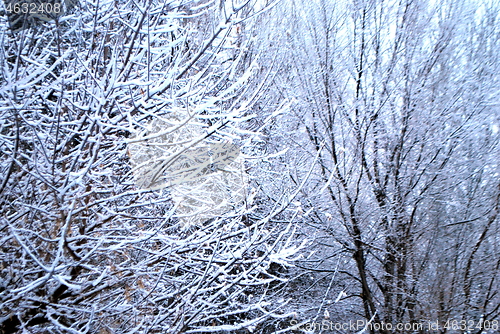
85, 247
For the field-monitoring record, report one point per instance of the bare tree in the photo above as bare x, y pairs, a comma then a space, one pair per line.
393, 97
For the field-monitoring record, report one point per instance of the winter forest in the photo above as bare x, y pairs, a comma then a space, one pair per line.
249, 166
